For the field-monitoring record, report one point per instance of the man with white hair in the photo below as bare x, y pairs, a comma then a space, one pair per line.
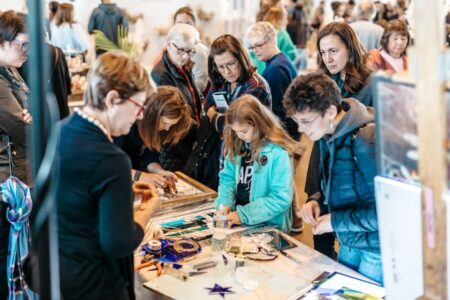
368, 32
261, 38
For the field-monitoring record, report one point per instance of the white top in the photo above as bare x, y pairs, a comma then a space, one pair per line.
70, 38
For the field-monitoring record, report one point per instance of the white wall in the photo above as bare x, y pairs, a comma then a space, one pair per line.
230, 16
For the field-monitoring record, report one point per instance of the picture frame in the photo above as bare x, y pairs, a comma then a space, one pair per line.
189, 191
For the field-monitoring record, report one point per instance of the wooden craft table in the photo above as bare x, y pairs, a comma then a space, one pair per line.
282, 278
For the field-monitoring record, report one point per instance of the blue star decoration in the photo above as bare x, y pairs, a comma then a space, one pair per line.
217, 289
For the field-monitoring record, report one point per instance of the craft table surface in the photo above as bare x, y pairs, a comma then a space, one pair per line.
278, 279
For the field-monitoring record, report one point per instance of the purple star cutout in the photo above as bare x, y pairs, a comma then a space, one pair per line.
217, 289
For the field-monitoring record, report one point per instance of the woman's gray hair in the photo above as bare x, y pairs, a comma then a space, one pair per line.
180, 34
262, 29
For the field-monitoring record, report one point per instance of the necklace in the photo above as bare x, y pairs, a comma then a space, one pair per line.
93, 121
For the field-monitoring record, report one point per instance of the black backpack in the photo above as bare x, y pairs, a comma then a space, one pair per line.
203, 163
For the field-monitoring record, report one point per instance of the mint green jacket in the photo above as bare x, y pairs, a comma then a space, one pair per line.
271, 190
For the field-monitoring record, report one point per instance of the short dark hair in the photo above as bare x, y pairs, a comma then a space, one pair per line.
391, 27
315, 92
11, 25
222, 44
185, 10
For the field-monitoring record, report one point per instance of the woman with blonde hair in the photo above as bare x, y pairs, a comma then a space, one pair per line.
257, 150
66, 33
97, 227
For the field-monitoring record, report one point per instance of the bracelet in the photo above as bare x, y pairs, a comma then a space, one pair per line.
137, 175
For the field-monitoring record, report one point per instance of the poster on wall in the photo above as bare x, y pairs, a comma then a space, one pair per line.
397, 135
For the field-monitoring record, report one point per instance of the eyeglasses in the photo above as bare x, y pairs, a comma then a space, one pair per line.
257, 46
24, 46
307, 123
137, 104
230, 66
182, 51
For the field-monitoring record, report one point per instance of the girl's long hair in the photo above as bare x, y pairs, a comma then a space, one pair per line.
267, 128
167, 102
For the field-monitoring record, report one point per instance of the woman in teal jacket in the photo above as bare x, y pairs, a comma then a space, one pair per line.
256, 183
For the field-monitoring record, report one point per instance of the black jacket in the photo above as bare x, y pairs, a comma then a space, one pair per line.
166, 73
14, 95
59, 81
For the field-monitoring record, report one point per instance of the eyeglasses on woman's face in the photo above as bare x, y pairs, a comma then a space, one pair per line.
230, 66
138, 105
24, 46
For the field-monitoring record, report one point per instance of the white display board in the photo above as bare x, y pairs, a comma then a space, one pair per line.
400, 228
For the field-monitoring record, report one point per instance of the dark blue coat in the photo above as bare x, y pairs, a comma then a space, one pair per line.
347, 169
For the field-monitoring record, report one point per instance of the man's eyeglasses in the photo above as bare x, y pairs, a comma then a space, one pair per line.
182, 51
24, 46
257, 46
229, 66
137, 104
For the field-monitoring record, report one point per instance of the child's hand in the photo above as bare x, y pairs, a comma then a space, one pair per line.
233, 218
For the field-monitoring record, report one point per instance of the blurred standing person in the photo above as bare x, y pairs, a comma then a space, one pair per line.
318, 16
52, 9
279, 72
338, 9
175, 69
369, 33
381, 15
265, 6
299, 31
107, 17
14, 120
68, 34
391, 57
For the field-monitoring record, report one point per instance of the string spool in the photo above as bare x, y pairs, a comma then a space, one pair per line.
186, 246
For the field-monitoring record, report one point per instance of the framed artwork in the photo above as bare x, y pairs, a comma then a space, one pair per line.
189, 191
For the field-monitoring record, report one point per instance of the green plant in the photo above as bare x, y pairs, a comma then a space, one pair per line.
124, 42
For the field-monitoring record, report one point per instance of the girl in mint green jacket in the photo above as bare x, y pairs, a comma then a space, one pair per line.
256, 183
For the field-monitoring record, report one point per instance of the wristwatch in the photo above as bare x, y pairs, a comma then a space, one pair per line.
137, 175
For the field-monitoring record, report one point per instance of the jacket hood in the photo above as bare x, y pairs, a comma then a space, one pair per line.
109, 9
357, 114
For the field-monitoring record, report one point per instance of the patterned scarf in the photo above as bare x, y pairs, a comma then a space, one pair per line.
17, 195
